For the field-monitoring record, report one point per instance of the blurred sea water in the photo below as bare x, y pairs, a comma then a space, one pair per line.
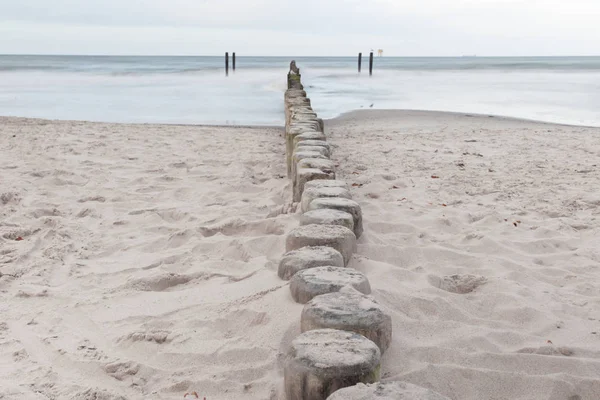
195, 90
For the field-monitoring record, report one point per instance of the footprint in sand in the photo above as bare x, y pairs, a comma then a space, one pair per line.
122, 370
9, 198
239, 226
40, 174
89, 351
548, 351
84, 213
158, 337
20, 233
99, 199
6, 252
46, 212
160, 283
181, 164
172, 215
231, 322
459, 284
140, 212
20, 355
168, 178
95, 393
179, 239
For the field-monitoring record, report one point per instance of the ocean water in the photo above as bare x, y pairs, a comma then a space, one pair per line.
195, 90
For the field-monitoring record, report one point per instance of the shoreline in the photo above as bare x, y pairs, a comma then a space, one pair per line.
434, 113
353, 114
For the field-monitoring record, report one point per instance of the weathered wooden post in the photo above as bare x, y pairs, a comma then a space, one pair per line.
233, 61
294, 77
371, 64
226, 64
359, 62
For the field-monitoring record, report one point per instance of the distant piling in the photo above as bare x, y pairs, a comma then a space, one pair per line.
359, 62
371, 64
233, 61
226, 64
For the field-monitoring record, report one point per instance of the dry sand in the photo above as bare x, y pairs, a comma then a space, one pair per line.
148, 265
482, 309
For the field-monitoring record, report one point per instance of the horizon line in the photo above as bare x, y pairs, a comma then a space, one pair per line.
286, 56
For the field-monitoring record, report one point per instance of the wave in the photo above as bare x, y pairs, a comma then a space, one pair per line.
492, 66
17, 68
333, 68
164, 71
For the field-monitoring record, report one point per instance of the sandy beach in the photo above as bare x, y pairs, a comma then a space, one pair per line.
139, 261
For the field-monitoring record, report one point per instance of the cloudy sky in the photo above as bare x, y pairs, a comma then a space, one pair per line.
301, 27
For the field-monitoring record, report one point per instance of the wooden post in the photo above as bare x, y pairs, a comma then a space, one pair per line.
233, 61
359, 62
371, 64
226, 63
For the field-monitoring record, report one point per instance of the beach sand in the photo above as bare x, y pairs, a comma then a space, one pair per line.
148, 262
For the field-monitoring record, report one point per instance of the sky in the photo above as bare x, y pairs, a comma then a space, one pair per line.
301, 27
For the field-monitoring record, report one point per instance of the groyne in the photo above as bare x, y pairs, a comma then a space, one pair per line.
344, 330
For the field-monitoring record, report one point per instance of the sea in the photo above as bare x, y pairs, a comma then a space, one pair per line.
196, 90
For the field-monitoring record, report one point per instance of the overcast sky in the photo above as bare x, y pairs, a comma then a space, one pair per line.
301, 27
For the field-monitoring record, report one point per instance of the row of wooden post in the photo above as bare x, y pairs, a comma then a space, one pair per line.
370, 63
227, 62
359, 63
